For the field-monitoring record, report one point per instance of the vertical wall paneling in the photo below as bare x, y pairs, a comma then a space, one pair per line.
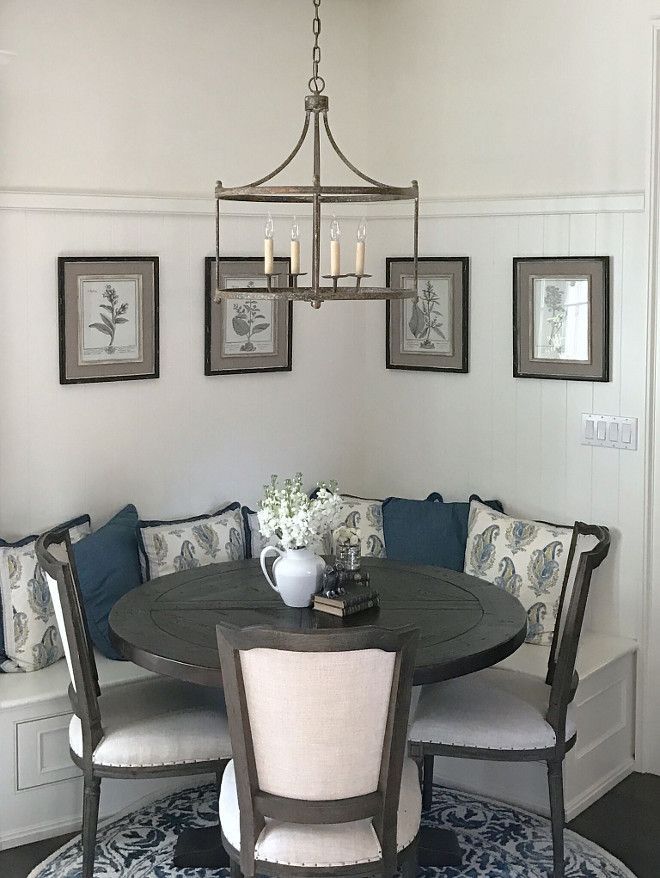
183, 443
519, 439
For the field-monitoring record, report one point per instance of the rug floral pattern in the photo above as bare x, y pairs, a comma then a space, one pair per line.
498, 841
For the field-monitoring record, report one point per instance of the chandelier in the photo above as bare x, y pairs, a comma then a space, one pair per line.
338, 285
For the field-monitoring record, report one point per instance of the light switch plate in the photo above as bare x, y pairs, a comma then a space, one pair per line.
609, 431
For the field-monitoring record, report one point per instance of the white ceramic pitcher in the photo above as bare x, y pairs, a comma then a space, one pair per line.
297, 574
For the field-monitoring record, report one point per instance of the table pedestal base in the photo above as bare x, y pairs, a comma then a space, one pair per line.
202, 849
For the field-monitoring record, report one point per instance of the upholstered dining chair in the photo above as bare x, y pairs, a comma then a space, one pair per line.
152, 728
505, 715
319, 783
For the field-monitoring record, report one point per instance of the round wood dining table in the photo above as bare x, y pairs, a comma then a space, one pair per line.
168, 625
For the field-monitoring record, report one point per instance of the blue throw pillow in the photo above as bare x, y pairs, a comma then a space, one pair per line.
428, 531
108, 567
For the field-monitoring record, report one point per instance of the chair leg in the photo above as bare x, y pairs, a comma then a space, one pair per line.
557, 815
427, 787
91, 797
235, 869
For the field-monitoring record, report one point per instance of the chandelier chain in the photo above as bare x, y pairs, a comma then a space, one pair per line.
316, 82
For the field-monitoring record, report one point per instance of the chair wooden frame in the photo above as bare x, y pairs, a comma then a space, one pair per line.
381, 805
85, 694
563, 681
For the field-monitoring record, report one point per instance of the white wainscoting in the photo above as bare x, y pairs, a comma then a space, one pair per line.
183, 443
512, 438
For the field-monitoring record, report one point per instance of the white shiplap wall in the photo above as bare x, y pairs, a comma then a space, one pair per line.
178, 445
185, 443
518, 439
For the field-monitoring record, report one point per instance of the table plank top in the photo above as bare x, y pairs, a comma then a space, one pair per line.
168, 624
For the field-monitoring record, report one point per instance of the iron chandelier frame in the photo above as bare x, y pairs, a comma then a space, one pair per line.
343, 286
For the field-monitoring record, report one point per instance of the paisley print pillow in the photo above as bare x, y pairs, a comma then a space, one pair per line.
367, 516
31, 637
169, 546
526, 558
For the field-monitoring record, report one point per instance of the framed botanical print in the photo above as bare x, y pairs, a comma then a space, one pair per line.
429, 331
561, 317
108, 318
246, 335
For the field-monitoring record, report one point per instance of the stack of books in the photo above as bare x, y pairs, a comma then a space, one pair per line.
352, 601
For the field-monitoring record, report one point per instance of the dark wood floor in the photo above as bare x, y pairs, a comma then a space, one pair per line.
625, 822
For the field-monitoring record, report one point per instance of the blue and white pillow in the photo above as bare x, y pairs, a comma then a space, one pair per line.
169, 546
367, 516
31, 640
526, 558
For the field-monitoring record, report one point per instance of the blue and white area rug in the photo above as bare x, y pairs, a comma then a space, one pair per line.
498, 841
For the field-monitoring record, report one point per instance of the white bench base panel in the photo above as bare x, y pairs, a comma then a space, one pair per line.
605, 749
40, 787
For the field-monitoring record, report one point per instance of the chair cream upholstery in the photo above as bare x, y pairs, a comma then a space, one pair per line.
330, 845
346, 723
495, 709
319, 778
158, 722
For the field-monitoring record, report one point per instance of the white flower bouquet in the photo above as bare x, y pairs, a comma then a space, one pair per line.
295, 519
347, 536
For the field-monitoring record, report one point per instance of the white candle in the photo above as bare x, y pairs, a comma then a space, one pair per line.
335, 252
269, 266
295, 247
360, 247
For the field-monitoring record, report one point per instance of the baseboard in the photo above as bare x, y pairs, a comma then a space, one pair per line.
580, 803
38, 833
54, 828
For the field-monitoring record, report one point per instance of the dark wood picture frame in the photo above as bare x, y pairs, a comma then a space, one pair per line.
213, 323
459, 268
595, 269
69, 269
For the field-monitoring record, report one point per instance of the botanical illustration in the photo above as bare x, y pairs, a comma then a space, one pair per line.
110, 326
248, 324
426, 317
561, 318
248, 321
111, 316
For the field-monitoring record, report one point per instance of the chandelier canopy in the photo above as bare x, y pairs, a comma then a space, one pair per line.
339, 285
